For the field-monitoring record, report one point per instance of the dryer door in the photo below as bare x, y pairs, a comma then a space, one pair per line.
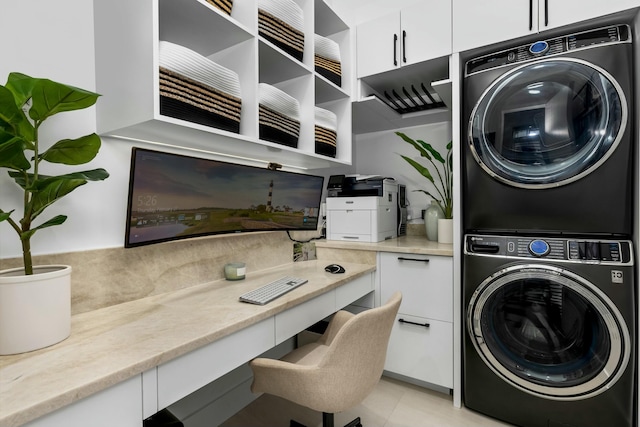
548, 332
547, 123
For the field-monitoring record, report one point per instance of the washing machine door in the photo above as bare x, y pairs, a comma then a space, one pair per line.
548, 332
547, 123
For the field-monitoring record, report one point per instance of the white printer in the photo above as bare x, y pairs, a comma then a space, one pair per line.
362, 208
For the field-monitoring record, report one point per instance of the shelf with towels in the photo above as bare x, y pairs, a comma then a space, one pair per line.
128, 76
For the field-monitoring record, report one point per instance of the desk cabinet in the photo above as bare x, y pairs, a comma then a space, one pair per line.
416, 33
120, 405
186, 374
421, 343
478, 24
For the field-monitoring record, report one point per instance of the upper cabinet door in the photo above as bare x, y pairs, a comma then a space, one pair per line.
481, 23
417, 33
556, 13
426, 31
378, 45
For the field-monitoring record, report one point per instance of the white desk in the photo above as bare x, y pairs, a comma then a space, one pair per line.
125, 362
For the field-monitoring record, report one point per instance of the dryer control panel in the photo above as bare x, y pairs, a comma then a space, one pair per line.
550, 47
617, 252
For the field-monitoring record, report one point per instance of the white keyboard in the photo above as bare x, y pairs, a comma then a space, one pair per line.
272, 290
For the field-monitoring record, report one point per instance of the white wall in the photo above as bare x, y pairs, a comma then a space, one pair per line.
55, 40
379, 153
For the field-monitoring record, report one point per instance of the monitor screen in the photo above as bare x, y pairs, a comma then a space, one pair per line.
173, 196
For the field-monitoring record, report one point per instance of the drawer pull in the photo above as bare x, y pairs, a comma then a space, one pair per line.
401, 258
426, 325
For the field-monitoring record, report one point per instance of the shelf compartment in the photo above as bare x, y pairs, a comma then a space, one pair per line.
216, 31
373, 113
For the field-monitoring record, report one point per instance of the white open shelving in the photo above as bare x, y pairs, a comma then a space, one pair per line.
371, 113
127, 38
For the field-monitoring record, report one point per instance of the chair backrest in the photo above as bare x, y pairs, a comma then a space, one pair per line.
355, 358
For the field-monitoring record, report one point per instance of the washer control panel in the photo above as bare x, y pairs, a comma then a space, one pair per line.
571, 250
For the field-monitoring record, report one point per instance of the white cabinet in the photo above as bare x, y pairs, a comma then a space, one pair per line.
127, 36
119, 405
415, 34
421, 343
556, 13
478, 24
185, 374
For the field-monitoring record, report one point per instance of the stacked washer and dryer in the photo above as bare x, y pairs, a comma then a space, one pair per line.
548, 278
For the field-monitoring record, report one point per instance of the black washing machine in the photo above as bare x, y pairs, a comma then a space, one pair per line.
549, 330
549, 129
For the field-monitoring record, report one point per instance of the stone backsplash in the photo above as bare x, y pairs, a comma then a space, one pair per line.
106, 277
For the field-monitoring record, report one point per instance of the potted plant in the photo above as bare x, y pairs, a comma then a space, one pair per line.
33, 312
440, 174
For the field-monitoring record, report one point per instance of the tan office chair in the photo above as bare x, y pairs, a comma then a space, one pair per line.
339, 370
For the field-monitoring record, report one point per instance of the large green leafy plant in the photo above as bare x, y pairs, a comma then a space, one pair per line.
25, 103
441, 166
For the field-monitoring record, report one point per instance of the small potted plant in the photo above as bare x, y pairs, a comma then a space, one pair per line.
440, 174
35, 313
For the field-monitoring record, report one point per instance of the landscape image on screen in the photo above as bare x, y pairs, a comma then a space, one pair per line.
173, 197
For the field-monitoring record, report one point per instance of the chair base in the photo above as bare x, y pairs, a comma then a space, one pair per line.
328, 421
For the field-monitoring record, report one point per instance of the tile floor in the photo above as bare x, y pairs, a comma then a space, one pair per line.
393, 403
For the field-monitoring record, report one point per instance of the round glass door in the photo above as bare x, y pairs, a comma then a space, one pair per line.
548, 332
547, 124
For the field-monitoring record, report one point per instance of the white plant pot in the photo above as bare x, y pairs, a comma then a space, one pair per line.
445, 230
35, 310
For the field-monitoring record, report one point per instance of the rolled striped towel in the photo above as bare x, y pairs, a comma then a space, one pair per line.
326, 127
282, 23
224, 5
198, 90
278, 116
327, 59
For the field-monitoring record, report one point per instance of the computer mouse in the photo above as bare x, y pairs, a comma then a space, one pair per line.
334, 268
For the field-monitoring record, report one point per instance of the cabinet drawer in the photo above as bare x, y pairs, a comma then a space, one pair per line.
426, 283
296, 319
184, 375
421, 352
354, 290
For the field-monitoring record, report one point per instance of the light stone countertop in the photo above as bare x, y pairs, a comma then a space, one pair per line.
113, 344
403, 244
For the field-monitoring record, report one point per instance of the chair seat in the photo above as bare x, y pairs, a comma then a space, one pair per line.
307, 355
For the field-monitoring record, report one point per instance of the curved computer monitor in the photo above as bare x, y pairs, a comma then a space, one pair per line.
173, 197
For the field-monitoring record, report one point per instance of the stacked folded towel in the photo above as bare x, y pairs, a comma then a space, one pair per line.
326, 127
279, 116
282, 23
223, 5
327, 59
198, 90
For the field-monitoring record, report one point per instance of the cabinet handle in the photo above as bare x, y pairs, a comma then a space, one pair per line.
546, 13
530, 15
426, 325
395, 49
401, 258
404, 46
